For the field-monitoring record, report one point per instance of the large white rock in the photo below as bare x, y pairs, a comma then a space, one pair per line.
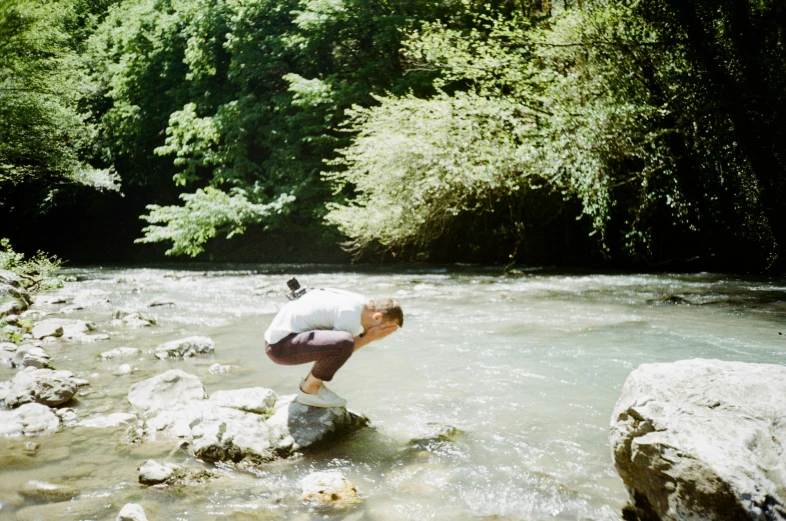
165, 389
152, 472
253, 399
295, 426
185, 347
43, 386
29, 419
703, 440
214, 433
131, 512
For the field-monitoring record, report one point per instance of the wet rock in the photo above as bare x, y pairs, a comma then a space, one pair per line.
328, 487
157, 474
295, 426
163, 390
7, 352
160, 302
49, 300
31, 447
33, 314
11, 319
119, 352
124, 369
44, 386
133, 319
47, 329
153, 473
28, 420
131, 512
70, 329
221, 369
214, 433
703, 439
31, 356
110, 420
436, 437
254, 399
67, 416
185, 347
47, 492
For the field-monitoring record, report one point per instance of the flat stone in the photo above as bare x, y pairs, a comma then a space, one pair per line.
44, 386
72, 308
89, 339
185, 347
119, 352
47, 492
163, 390
160, 302
110, 420
703, 439
328, 487
45, 329
131, 512
253, 399
30, 419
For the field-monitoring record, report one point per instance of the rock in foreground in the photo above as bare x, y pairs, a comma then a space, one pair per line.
131, 512
704, 440
165, 389
328, 487
43, 386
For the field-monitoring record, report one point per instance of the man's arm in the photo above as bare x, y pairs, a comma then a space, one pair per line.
373, 333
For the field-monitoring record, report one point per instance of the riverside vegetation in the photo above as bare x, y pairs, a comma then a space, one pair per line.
636, 133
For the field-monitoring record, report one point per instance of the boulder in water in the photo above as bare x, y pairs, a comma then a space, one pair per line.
41, 491
295, 426
185, 347
165, 389
703, 439
44, 386
153, 472
31, 356
160, 302
131, 512
29, 419
69, 329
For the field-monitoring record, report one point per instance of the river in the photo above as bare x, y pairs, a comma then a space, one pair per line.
526, 369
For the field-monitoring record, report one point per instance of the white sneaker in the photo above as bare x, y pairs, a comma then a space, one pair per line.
324, 398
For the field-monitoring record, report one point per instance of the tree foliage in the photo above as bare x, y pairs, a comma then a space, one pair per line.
45, 140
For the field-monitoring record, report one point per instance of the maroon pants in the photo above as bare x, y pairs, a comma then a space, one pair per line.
329, 349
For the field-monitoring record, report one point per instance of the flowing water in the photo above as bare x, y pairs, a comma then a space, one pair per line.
526, 370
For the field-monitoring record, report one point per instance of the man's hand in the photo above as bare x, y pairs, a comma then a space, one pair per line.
374, 333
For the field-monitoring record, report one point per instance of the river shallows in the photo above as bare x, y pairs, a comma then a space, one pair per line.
520, 373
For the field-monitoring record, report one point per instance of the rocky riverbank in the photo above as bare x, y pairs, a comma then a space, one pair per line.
245, 428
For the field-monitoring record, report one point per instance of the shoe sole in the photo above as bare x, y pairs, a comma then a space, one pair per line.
320, 404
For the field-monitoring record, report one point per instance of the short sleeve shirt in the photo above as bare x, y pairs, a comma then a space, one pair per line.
322, 308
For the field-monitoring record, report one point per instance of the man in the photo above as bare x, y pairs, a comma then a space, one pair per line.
326, 326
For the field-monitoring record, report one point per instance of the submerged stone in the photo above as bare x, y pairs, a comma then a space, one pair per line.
30, 419
328, 487
185, 347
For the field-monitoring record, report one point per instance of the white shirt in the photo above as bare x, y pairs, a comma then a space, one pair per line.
320, 308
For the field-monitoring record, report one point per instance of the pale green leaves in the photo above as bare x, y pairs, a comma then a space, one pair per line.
205, 214
192, 139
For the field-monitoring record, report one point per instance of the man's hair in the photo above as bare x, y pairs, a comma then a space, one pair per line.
390, 309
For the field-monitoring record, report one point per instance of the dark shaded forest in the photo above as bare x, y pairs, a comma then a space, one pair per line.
641, 135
